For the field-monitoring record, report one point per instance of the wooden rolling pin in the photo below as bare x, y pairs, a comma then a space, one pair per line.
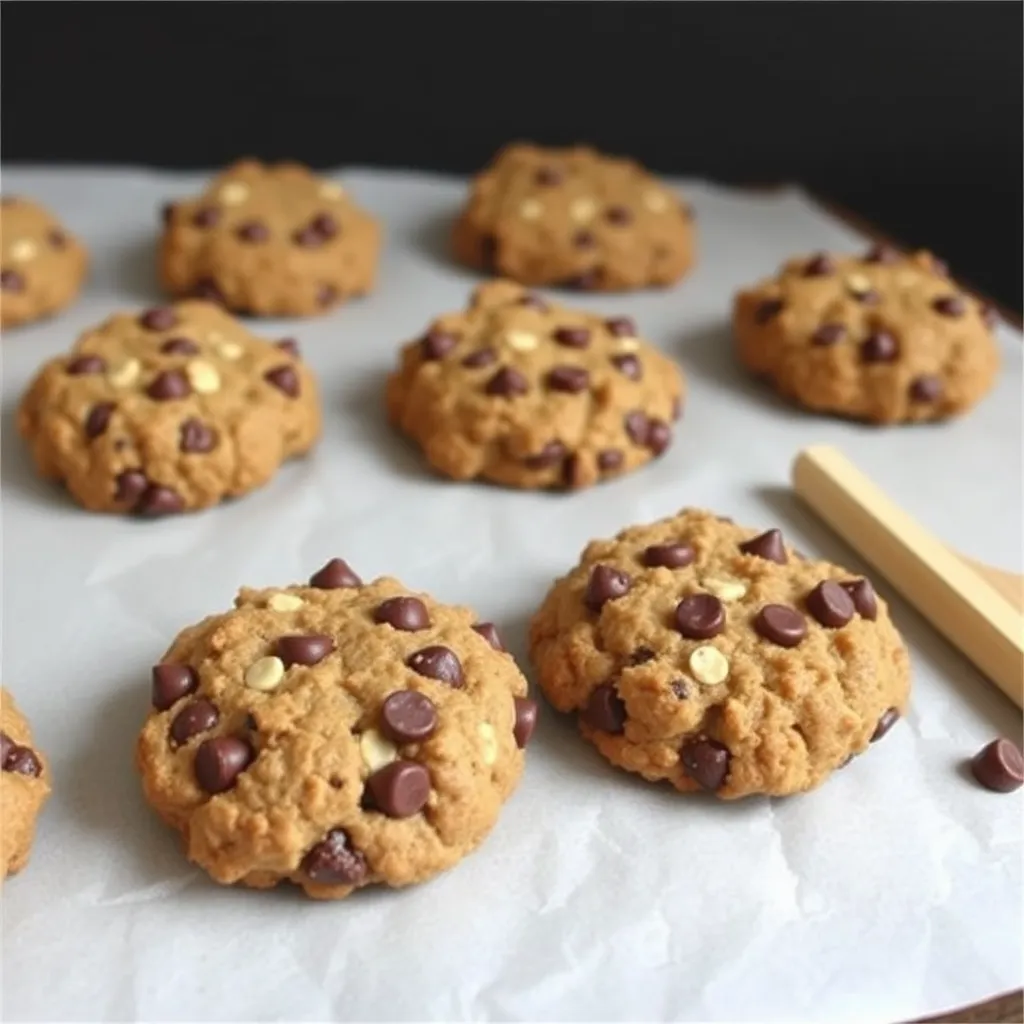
977, 608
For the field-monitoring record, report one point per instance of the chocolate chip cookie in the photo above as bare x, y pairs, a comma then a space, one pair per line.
24, 786
574, 218
883, 337
42, 265
528, 394
715, 657
269, 240
335, 735
169, 410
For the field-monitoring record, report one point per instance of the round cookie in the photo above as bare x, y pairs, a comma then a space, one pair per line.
169, 410
885, 337
697, 651
42, 265
334, 735
269, 240
24, 786
574, 218
528, 394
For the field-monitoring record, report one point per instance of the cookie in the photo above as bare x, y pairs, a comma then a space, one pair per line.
574, 218
170, 410
334, 735
269, 240
24, 786
42, 265
528, 394
717, 658
884, 337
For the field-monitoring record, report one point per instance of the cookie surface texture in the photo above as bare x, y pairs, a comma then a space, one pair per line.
24, 786
529, 394
574, 218
169, 410
884, 337
269, 240
42, 265
716, 658
335, 735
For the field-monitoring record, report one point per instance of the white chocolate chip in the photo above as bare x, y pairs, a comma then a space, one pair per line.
203, 377
858, 284
709, 665
233, 193
521, 341
331, 190
265, 674
23, 250
724, 587
376, 751
284, 602
126, 374
531, 209
655, 201
229, 350
489, 742
582, 210
628, 345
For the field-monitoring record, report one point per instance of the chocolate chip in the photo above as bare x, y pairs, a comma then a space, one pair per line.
885, 723
490, 633
585, 281
437, 344
308, 237
206, 288
326, 294
337, 573
828, 334
408, 717
572, 337
618, 215
706, 762
22, 761
700, 616
179, 347
659, 436
526, 720
507, 382
863, 595
130, 484
609, 459
438, 663
605, 584
157, 500
334, 861
551, 454
999, 766
489, 252
820, 265
86, 364
680, 689
629, 366
11, 281
636, 425
98, 420
326, 225
767, 545
169, 385
171, 682
879, 347
926, 388
289, 345
950, 305
672, 556
399, 789
206, 217
881, 254
780, 625
568, 378
195, 717
405, 613
481, 357
162, 318
285, 379
867, 298
605, 710
7, 746
767, 309
641, 655
219, 762
253, 231
548, 175
306, 649
584, 240
194, 436
830, 604
57, 239
621, 326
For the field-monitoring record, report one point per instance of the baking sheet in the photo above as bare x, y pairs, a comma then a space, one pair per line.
893, 891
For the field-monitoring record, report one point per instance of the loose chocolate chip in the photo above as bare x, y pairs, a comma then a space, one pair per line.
532, 301
636, 425
22, 761
585, 281
700, 616
308, 649
408, 717
162, 318
828, 334
206, 217
572, 337
879, 347
438, 663
337, 573
820, 265
253, 231
551, 454
86, 364
194, 436
767, 309
179, 347
130, 484
950, 305
618, 215
605, 584
172, 682
706, 762
481, 357
659, 436
766, 545
568, 378
157, 500
526, 720
830, 604
289, 345
11, 281
334, 861
672, 556
680, 689
885, 723
399, 789
609, 459
405, 613
863, 595
169, 385
881, 254
584, 240
999, 766
781, 625
195, 717
98, 420
206, 288
605, 710
641, 656
219, 762
507, 382
629, 366
285, 379
490, 633
437, 344
548, 176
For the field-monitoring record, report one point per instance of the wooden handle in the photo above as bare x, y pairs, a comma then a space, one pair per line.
962, 605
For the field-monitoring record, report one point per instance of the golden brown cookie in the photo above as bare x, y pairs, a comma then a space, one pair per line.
884, 337
169, 410
269, 240
334, 735
42, 265
528, 394
575, 218
697, 651
24, 786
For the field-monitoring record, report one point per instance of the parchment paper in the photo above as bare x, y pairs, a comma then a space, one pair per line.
893, 891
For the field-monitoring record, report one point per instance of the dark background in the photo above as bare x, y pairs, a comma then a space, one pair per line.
908, 113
